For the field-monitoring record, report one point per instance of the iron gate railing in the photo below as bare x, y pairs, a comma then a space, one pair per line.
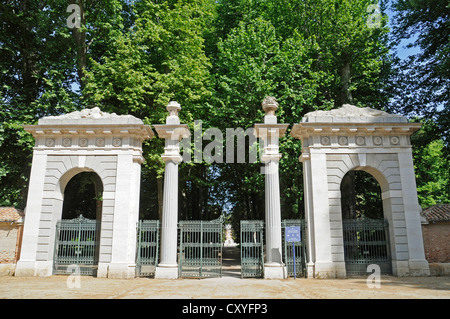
147, 248
76, 244
366, 241
252, 248
200, 244
300, 249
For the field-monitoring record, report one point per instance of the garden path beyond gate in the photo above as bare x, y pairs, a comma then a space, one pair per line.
200, 244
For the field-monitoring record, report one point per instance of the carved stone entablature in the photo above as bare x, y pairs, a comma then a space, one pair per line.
89, 129
351, 126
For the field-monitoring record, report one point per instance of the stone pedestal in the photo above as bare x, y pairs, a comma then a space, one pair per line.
269, 134
172, 132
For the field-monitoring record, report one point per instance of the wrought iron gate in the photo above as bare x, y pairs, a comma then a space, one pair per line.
300, 249
200, 245
147, 247
252, 248
76, 246
366, 241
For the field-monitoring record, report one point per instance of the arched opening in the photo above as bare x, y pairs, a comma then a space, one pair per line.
365, 230
78, 231
83, 196
361, 196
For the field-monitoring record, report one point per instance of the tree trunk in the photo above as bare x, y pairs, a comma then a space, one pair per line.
79, 37
344, 94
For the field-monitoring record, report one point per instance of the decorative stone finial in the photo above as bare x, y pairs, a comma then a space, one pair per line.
173, 108
270, 105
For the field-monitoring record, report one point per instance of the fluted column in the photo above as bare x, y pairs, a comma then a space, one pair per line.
172, 132
269, 134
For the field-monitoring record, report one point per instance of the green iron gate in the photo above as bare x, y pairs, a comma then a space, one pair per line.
300, 249
147, 248
200, 244
252, 248
76, 245
366, 241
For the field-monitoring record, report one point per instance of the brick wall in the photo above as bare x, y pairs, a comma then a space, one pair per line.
8, 243
436, 242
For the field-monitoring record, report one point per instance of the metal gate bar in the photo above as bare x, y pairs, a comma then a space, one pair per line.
252, 248
200, 245
300, 249
366, 242
147, 248
76, 245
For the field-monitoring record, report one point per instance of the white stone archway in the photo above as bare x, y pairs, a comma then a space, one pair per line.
351, 138
88, 141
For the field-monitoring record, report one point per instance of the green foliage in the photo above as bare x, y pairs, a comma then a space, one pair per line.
421, 82
219, 60
432, 168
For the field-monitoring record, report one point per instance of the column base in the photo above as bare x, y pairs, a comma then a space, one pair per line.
166, 272
310, 270
406, 268
102, 270
275, 271
34, 268
121, 271
324, 270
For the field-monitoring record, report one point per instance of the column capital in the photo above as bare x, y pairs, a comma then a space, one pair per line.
173, 132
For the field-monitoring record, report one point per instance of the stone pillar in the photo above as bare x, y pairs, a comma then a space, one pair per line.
172, 132
309, 213
269, 133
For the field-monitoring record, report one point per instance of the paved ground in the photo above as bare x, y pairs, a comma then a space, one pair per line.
230, 286
223, 288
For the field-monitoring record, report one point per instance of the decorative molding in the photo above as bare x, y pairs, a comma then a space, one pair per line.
394, 140
377, 140
360, 140
67, 142
343, 140
117, 142
100, 142
83, 142
325, 140
50, 142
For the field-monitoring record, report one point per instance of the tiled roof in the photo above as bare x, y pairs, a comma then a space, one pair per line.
437, 213
10, 214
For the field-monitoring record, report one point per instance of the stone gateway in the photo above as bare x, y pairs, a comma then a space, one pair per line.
109, 146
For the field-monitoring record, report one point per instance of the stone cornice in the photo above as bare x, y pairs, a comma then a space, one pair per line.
172, 131
306, 129
135, 130
263, 130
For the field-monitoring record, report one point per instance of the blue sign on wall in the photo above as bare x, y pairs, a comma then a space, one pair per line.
293, 234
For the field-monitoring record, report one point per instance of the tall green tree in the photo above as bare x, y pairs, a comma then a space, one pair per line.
160, 57
309, 55
422, 80
37, 71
